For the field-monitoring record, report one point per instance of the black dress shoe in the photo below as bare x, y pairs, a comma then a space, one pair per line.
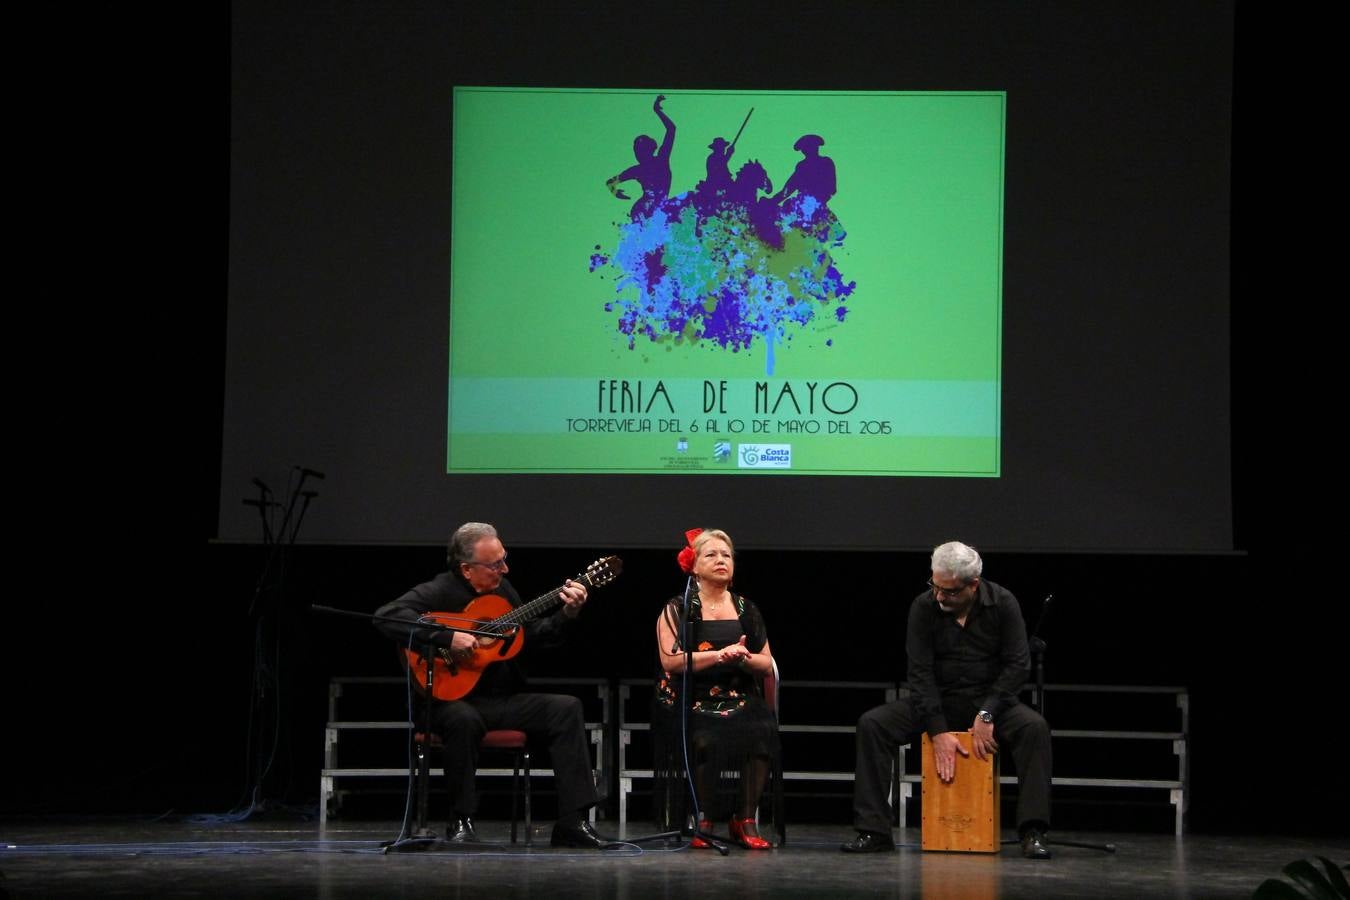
460, 831
579, 834
1033, 845
869, 842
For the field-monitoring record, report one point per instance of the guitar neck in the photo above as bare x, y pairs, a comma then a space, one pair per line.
538, 606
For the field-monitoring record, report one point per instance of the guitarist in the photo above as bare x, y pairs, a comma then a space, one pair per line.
477, 566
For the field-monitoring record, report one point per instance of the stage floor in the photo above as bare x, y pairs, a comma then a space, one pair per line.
275, 859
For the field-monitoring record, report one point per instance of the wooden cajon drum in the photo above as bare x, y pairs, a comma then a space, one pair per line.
963, 814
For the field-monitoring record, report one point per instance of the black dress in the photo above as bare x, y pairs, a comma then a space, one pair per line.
728, 722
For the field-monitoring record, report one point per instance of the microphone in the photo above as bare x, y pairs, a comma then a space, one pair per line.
310, 473
1037, 644
262, 487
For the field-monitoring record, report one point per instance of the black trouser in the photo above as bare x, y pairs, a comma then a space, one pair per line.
883, 729
557, 718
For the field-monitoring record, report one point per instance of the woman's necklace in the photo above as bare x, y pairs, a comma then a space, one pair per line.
714, 607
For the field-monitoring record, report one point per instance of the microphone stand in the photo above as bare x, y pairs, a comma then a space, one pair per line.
269, 748
420, 836
685, 707
686, 702
1037, 647
1036, 644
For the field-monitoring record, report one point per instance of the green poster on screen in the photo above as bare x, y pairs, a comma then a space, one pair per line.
725, 282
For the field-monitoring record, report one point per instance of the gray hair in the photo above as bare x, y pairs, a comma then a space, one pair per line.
709, 534
957, 560
465, 540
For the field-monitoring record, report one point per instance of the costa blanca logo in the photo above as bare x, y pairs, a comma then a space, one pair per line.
764, 456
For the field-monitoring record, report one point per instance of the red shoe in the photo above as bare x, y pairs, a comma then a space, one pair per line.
746, 833
698, 843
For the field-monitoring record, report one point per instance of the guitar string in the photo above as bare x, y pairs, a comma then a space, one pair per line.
527, 611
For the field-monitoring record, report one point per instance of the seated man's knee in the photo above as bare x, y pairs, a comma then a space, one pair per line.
570, 706
567, 712
1029, 726
461, 719
869, 723
1036, 723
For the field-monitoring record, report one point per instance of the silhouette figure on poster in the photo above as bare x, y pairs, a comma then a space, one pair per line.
727, 261
652, 170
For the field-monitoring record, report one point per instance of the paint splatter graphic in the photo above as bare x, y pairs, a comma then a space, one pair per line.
729, 261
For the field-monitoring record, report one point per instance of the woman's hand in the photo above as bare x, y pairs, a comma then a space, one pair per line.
734, 653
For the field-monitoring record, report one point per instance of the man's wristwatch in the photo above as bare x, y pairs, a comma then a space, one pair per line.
986, 716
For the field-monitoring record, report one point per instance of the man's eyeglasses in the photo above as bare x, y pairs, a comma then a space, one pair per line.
498, 566
947, 592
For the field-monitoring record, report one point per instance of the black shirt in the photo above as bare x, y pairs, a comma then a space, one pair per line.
954, 670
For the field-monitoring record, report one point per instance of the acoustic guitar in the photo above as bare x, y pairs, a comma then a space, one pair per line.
455, 675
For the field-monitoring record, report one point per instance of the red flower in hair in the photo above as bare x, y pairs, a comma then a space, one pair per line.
686, 557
